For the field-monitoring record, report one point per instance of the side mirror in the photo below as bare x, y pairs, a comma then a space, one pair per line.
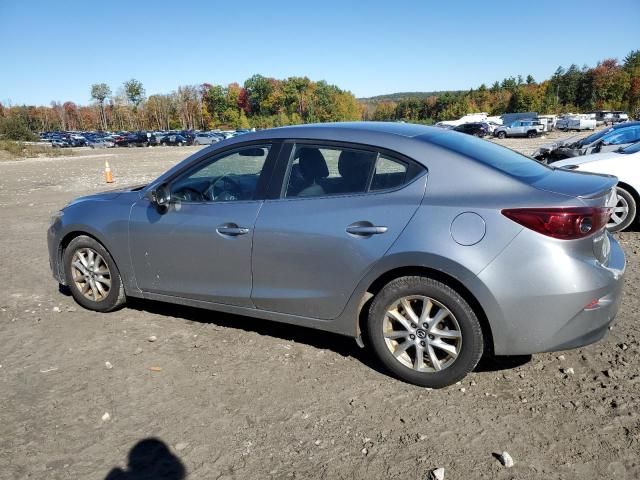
160, 197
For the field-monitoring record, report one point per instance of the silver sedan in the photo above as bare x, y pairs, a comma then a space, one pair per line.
428, 246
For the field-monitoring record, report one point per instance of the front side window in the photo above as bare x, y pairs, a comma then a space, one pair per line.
317, 171
230, 176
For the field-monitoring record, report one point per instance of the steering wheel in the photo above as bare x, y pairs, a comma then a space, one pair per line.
224, 188
188, 194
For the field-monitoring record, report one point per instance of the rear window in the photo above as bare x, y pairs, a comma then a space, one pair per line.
501, 158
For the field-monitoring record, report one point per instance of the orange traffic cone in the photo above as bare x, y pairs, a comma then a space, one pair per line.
108, 176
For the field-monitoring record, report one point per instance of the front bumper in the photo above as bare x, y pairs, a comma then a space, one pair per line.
543, 293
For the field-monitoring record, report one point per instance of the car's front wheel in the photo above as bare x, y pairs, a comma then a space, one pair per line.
424, 332
501, 134
92, 275
624, 213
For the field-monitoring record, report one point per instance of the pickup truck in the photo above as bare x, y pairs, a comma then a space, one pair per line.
521, 128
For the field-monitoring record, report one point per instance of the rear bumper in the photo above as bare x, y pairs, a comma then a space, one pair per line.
544, 299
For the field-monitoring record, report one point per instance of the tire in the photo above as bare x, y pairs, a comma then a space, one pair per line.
458, 317
104, 299
180, 144
624, 212
163, 144
501, 135
531, 134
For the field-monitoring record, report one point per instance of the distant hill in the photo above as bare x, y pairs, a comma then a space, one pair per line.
396, 97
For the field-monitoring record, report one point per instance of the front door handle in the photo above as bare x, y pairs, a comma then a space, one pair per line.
365, 230
231, 230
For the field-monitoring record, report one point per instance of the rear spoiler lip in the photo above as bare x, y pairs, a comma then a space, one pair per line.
604, 192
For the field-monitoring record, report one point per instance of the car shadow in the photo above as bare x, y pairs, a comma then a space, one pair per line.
496, 363
340, 344
150, 459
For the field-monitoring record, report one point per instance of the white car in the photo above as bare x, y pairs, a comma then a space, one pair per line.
624, 164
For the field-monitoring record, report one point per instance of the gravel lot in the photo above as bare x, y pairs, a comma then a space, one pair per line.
234, 397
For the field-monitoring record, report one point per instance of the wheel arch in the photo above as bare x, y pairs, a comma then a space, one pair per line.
426, 271
68, 238
632, 191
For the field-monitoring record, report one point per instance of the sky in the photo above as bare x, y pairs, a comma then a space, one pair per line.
55, 50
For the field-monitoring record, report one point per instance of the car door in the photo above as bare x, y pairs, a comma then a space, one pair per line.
339, 210
200, 248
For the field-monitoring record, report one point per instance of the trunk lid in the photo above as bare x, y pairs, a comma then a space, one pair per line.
576, 184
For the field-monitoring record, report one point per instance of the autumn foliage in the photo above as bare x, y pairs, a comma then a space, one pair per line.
607, 86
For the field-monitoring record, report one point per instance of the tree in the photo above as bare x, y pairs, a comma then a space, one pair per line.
100, 92
242, 121
134, 91
258, 89
530, 80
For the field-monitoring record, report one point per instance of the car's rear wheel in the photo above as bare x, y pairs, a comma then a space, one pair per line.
531, 134
624, 213
501, 134
92, 275
424, 332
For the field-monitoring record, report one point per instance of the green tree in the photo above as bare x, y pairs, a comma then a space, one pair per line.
258, 90
242, 121
134, 91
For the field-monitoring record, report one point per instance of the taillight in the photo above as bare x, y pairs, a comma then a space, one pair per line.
562, 223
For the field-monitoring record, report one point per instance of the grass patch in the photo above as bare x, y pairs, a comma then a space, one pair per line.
10, 149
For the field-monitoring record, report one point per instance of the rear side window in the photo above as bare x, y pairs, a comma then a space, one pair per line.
501, 158
389, 173
319, 171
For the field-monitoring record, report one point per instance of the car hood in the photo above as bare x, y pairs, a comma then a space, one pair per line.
560, 143
106, 196
575, 184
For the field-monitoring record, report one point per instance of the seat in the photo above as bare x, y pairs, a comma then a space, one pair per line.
354, 168
313, 168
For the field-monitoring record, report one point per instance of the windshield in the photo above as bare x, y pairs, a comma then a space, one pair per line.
594, 136
633, 148
501, 158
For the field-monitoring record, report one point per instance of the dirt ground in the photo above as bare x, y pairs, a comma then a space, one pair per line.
234, 397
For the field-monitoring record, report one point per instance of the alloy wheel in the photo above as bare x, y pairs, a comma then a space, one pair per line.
620, 212
421, 333
90, 274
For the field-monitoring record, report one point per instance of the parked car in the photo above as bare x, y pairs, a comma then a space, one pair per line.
173, 139
335, 227
521, 128
139, 139
606, 140
623, 163
58, 142
477, 129
101, 143
578, 123
205, 138
468, 118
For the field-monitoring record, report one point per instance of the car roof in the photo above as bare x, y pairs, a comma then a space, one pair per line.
408, 130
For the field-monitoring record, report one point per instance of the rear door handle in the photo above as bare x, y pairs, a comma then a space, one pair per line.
365, 230
231, 230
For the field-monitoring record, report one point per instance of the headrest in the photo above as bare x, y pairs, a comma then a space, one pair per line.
312, 164
354, 167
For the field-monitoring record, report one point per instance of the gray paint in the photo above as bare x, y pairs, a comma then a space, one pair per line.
298, 264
